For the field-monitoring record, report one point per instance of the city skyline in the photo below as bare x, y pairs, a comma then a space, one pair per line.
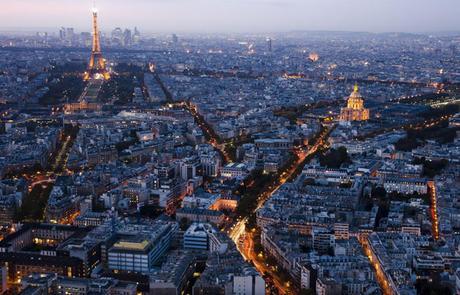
237, 16
251, 147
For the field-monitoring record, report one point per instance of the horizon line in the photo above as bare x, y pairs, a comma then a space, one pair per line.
35, 30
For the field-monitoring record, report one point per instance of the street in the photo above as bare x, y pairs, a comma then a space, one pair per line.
379, 273
238, 229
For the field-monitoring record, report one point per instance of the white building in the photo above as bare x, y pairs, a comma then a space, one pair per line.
342, 231
189, 168
139, 253
234, 170
405, 185
197, 236
250, 284
211, 165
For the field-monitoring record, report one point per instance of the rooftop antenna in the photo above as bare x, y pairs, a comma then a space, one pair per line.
138, 213
356, 87
112, 221
94, 9
63, 114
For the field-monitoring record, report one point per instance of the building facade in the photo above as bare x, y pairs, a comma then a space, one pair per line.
355, 110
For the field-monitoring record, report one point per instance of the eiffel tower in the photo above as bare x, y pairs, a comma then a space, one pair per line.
97, 68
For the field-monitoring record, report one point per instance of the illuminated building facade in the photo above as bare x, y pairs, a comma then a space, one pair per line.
140, 252
46, 248
97, 66
355, 110
82, 106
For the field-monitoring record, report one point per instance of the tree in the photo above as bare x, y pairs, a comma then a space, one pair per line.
383, 202
34, 204
183, 223
335, 158
150, 211
433, 113
251, 222
434, 286
379, 192
433, 168
416, 137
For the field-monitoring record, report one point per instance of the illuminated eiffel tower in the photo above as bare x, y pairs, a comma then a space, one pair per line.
97, 67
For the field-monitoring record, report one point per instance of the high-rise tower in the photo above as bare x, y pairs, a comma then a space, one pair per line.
97, 67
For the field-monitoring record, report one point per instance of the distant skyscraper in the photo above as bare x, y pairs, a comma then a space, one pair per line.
62, 33
70, 32
136, 36
97, 67
127, 38
453, 49
85, 39
117, 36
67, 35
175, 39
269, 45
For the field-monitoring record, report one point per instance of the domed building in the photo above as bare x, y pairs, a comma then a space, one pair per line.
355, 110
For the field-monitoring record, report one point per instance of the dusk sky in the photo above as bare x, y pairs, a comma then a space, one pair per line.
237, 15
